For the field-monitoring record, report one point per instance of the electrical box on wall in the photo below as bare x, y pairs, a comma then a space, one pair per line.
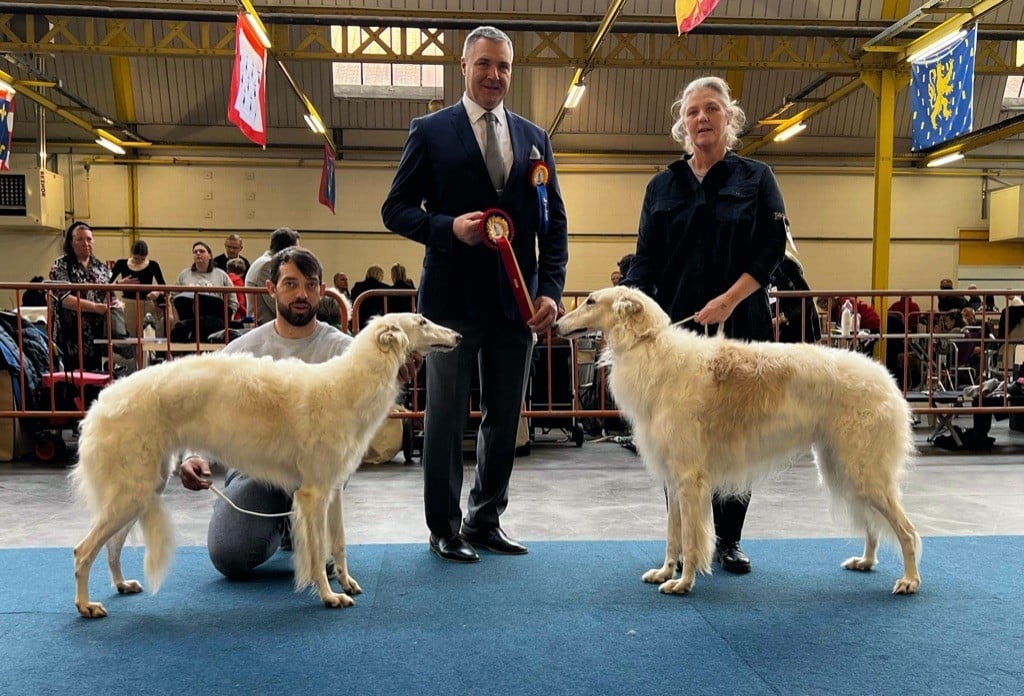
32, 199
1006, 214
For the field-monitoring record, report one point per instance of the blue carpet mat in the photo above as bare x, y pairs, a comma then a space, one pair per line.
569, 618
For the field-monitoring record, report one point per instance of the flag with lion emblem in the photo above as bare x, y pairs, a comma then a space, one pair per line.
690, 13
942, 94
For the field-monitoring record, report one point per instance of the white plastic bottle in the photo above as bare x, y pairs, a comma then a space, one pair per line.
149, 326
846, 323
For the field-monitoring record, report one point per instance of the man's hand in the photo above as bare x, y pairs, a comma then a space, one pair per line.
544, 315
410, 368
466, 227
195, 474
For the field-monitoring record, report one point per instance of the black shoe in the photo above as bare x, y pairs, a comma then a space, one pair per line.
732, 558
453, 548
494, 540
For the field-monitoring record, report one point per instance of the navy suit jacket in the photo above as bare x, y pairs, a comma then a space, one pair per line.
442, 175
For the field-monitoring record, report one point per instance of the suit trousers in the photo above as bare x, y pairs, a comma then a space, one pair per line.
500, 349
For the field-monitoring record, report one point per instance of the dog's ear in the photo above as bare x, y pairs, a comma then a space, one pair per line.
391, 337
626, 307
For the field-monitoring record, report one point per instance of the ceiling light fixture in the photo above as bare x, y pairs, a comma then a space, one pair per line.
314, 123
787, 133
945, 159
572, 99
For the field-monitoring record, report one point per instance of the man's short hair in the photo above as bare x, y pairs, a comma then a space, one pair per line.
282, 238
303, 259
486, 32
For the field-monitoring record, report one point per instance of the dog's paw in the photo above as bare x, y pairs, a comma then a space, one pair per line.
337, 601
350, 585
129, 587
680, 586
906, 586
92, 610
658, 575
859, 563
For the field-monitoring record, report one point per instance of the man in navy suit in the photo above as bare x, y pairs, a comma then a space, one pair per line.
438, 197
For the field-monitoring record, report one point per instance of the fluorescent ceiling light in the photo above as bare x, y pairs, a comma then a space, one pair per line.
945, 159
572, 99
110, 145
936, 47
261, 31
315, 124
788, 133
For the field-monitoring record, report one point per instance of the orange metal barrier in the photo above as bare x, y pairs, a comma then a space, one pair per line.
927, 372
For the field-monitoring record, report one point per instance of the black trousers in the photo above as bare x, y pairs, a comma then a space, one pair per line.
729, 515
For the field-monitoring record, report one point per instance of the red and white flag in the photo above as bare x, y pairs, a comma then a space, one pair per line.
6, 125
247, 103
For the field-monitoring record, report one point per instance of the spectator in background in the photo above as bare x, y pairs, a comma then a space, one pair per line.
203, 273
869, 319
624, 264
139, 270
949, 302
908, 309
262, 307
236, 272
232, 250
370, 306
616, 277
974, 300
78, 265
329, 311
341, 284
400, 281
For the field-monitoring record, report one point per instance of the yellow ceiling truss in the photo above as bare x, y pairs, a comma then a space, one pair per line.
141, 38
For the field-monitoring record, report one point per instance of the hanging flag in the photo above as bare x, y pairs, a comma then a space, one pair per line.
247, 103
690, 13
327, 179
6, 126
942, 94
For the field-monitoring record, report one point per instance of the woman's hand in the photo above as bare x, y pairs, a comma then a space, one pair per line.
714, 312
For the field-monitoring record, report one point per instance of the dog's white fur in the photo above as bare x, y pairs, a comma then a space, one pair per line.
713, 414
298, 426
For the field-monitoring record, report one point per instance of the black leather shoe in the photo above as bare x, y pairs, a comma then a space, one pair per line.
494, 540
453, 548
732, 558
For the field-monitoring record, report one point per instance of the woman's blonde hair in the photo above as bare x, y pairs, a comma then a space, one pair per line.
398, 274
737, 119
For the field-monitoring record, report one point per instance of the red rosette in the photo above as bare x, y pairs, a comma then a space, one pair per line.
496, 231
539, 173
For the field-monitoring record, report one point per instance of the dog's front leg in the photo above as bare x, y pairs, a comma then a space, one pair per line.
673, 543
336, 522
310, 544
695, 531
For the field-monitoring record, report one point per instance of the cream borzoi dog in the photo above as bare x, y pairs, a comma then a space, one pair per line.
713, 414
298, 426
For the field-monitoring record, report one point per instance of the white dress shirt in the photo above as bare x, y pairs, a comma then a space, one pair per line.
476, 119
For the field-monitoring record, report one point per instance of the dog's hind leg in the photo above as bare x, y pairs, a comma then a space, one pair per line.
336, 523
673, 540
311, 545
109, 523
697, 536
114, 546
909, 540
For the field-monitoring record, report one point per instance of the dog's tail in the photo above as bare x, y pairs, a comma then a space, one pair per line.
156, 529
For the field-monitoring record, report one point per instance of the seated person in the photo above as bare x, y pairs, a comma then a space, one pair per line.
909, 310
950, 302
203, 273
237, 542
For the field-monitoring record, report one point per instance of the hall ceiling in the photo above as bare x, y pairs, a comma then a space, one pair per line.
162, 69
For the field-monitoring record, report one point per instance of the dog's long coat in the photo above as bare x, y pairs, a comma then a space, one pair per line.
713, 414
298, 426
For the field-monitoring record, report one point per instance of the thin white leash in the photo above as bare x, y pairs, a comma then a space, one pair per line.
243, 510
707, 327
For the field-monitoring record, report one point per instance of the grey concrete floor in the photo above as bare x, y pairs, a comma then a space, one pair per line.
560, 492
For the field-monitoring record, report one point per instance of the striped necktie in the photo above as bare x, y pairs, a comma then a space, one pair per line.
492, 153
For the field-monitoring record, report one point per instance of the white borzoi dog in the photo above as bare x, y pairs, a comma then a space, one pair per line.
301, 427
713, 414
